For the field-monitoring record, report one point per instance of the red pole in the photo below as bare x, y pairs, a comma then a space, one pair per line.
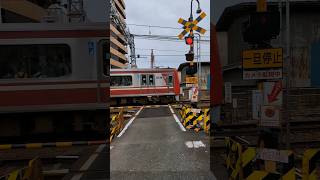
216, 79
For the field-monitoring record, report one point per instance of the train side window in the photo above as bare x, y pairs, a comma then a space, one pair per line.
121, 81
143, 80
170, 81
151, 80
35, 61
106, 58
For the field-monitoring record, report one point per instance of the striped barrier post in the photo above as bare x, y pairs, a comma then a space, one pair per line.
189, 117
233, 158
241, 164
309, 164
117, 123
195, 120
286, 171
206, 120
32, 172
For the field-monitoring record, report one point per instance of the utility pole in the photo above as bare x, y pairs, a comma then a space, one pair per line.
152, 59
199, 61
0, 11
288, 71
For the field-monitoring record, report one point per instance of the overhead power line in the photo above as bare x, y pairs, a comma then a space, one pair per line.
156, 26
164, 38
170, 55
143, 25
168, 50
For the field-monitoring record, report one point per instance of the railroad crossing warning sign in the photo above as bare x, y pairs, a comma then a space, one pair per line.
188, 26
191, 80
262, 64
263, 58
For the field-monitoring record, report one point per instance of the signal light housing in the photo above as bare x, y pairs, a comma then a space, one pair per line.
189, 40
189, 56
191, 69
262, 26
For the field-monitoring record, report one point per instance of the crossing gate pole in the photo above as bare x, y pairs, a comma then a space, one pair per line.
121, 119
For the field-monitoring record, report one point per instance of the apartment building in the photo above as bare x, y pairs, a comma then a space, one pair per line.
18, 11
118, 45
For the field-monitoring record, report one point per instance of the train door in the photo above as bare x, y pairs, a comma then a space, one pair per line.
147, 80
103, 71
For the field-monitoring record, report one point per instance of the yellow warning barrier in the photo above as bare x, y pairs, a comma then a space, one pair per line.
309, 164
206, 120
195, 120
32, 172
241, 164
116, 124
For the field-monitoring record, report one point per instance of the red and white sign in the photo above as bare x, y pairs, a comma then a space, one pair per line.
270, 116
194, 94
262, 74
256, 104
273, 93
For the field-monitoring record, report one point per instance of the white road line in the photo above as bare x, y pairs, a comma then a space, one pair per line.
198, 144
77, 176
129, 123
100, 148
177, 119
171, 109
89, 162
189, 144
194, 144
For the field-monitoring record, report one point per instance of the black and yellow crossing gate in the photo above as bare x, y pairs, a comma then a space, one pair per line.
196, 119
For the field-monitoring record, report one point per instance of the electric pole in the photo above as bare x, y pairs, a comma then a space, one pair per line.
152, 59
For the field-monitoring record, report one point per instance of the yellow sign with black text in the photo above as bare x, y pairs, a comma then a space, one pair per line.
262, 58
192, 80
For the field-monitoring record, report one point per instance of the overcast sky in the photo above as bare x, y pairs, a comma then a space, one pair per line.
164, 13
96, 10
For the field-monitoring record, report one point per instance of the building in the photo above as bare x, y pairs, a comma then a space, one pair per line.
21, 11
305, 44
119, 41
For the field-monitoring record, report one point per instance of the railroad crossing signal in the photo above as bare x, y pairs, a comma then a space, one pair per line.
188, 26
189, 40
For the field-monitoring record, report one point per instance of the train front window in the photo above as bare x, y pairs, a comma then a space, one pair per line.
121, 81
151, 80
143, 80
170, 81
34, 61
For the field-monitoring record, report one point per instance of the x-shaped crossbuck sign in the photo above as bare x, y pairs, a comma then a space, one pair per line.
188, 26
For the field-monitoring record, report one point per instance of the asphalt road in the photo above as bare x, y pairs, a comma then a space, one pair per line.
154, 147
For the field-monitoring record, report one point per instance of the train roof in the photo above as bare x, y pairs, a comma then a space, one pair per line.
53, 26
53, 30
143, 69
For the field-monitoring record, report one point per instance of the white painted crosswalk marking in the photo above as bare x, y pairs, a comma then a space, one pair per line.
195, 144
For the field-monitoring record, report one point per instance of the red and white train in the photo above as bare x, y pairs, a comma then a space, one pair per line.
140, 86
53, 78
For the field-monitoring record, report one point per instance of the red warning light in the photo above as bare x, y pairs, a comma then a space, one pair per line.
189, 40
